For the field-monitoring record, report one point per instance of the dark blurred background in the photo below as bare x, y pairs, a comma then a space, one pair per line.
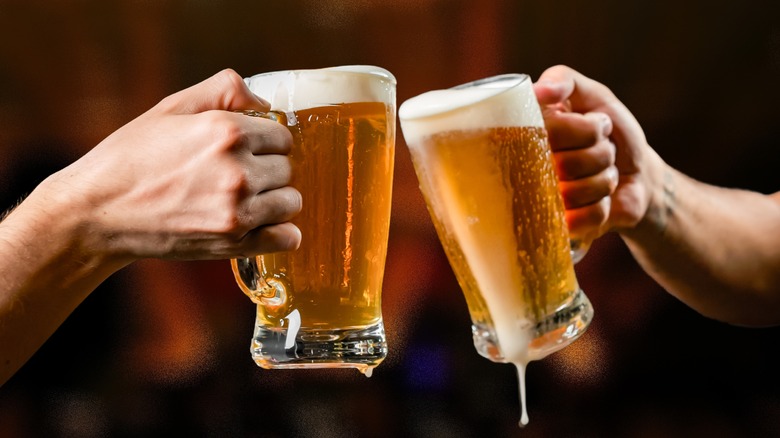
162, 348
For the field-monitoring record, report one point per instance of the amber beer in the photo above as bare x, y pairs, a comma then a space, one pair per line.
325, 309
484, 166
344, 174
501, 220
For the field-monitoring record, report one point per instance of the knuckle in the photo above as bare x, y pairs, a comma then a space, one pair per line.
612, 153
600, 211
613, 178
168, 103
230, 78
234, 183
229, 218
600, 189
594, 127
227, 224
222, 127
226, 134
600, 121
587, 218
229, 134
229, 179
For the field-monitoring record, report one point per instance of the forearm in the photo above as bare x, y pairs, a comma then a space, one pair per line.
715, 249
191, 178
46, 271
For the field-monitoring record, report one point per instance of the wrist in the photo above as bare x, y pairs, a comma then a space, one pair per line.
660, 182
55, 222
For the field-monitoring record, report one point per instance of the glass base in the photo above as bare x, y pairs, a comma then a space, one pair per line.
361, 348
554, 333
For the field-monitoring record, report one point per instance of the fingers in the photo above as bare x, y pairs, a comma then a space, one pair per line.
268, 172
583, 163
273, 207
271, 238
268, 166
270, 230
261, 227
574, 130
586, 223
265, 239
586, 191
580, 143
225, 90
263, 136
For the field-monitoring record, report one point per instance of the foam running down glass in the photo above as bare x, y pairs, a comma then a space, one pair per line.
320, 306
482, 159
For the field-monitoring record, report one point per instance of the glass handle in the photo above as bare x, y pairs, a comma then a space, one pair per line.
250, 276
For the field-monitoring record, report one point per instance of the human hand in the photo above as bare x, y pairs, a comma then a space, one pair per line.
604, 163
189, 179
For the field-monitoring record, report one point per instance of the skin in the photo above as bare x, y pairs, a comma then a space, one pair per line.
189, 179
715, 249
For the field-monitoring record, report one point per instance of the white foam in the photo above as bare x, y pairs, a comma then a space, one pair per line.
293, 90
506, 100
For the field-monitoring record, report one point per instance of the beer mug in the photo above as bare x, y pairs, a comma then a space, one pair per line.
320, 306
481, 155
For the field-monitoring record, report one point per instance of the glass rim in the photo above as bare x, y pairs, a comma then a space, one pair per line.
513, 80
359, 69
480, 83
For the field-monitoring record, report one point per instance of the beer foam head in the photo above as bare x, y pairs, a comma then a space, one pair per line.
301, 89
500, 101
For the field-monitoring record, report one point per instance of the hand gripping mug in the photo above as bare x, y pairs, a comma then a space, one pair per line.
320, 306
482, 159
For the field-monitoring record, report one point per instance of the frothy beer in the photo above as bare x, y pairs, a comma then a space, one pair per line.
487, 175
342, 121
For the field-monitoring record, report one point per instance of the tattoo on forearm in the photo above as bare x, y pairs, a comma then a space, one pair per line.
660, 213
669, 201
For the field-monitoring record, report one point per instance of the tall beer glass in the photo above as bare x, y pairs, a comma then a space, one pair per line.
484, 166
320, 306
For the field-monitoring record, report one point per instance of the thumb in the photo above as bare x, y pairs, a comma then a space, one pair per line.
225, 90
562, 84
